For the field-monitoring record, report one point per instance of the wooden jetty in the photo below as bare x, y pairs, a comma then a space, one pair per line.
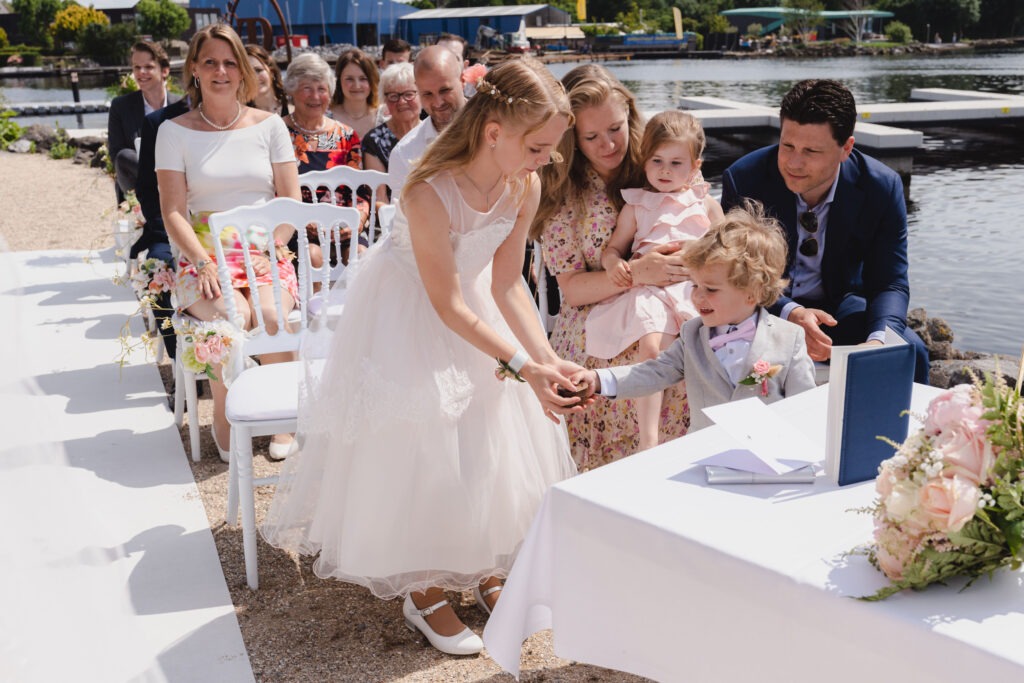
47, 108
877, 125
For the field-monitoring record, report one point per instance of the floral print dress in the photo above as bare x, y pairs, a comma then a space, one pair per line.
607, 430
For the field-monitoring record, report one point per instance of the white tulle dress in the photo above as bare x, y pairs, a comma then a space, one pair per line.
417, 468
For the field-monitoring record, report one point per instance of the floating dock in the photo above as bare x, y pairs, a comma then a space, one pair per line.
878, 124
47, 108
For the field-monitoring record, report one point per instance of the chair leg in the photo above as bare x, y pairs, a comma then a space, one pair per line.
241, 455
192, 406
179, 388
231, 516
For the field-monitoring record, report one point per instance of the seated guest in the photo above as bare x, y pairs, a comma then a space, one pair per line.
320, 142
271, 95
355, 95
398, 90
153, 239
150, 69
845, 219
457, 44
736, 349
438, 74
395, 51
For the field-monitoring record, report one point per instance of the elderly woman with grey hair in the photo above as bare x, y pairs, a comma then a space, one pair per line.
398, 92
320, 141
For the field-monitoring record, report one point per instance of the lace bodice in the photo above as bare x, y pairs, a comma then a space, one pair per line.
475, 236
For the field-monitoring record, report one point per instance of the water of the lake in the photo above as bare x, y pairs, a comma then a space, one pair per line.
967, 187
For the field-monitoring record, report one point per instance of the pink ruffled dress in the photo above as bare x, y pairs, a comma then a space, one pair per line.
661, 218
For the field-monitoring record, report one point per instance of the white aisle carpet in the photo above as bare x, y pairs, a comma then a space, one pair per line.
108, 570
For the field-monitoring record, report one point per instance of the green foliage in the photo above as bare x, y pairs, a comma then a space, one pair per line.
62, 148
126, 84
803, 15
108, 45
69, 22
27, 56
162, 19
422, 4
754, 30
9, 130
34, 19
3, 38
898, 32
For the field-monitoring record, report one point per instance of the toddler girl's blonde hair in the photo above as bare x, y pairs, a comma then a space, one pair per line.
672, 126
753, 247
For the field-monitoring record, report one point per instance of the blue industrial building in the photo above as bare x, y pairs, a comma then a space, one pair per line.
482, 26
359, 22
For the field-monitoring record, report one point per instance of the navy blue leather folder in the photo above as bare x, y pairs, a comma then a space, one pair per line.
869, 394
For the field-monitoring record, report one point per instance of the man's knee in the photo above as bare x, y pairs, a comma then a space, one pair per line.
126, 168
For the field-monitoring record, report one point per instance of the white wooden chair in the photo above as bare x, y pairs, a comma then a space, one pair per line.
355, 180
263, 400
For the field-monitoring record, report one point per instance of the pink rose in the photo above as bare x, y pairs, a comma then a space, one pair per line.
889, 564
967, 453
164, 280
959, 404
884, 480
950, 502
210, 349
762, 367
202, 352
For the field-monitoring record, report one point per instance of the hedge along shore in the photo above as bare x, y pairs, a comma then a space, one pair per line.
296, 627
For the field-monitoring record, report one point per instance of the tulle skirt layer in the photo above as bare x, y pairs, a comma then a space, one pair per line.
417, 468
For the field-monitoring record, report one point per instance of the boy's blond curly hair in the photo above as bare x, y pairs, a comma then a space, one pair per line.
753, 247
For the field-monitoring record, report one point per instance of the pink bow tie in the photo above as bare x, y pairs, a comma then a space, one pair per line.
745, 330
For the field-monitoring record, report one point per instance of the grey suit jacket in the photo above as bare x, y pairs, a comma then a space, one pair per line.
707, 384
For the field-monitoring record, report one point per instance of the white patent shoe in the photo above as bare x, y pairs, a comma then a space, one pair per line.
463, 643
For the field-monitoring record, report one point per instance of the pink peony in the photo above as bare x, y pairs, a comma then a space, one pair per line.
950, 502
967, 453
163, 280
959, 404
889, 564
762, 367
474, 73
210, 349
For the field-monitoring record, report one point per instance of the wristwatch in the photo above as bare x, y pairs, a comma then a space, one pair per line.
201, 263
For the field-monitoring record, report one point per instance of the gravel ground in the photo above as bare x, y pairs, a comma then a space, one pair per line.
296, 627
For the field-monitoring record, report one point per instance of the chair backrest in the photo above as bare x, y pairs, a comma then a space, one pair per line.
255, 226
363, 186
386, 217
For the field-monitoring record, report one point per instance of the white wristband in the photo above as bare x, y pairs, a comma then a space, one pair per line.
518, 361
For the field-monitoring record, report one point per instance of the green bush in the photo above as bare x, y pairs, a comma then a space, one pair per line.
898, 32
29, 55
3, 38
62, 148
108, 45
9, 130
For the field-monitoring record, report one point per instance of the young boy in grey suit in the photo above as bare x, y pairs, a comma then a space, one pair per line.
736, 348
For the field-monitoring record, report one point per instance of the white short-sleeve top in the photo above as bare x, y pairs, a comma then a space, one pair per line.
225, 169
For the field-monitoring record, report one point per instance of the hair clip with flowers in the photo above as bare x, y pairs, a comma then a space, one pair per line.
485, 86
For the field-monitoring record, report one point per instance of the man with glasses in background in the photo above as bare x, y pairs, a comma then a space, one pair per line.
845, 219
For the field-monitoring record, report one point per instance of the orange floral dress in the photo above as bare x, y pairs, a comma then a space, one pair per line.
607, 430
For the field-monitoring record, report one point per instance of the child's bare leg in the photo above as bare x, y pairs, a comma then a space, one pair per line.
648, 408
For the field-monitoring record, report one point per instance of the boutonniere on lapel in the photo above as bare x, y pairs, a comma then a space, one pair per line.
762, 372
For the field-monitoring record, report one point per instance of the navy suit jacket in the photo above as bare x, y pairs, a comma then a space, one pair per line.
153, 232
866, 238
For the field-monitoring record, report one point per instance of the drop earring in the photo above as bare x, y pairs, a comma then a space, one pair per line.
195, 79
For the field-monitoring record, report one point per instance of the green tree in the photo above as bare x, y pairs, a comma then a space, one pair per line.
803, 16
34, 19
109, 45
69, 22
162, 19
3, 38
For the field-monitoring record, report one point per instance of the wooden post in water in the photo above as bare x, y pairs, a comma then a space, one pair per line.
77, 98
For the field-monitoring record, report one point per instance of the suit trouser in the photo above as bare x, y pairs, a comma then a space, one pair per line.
852, 328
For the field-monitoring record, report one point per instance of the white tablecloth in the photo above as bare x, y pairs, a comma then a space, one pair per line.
641, 566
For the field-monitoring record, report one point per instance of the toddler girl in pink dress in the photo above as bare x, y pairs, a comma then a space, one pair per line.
673, 209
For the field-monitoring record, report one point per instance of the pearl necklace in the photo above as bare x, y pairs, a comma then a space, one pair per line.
214, 125
316, 131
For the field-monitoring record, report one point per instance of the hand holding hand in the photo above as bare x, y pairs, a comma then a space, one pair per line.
819, 345
620, 274
662, 266
545, 380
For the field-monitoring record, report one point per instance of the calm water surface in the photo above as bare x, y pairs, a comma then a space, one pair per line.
966, 192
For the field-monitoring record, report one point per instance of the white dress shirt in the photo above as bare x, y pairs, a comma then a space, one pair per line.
407, 153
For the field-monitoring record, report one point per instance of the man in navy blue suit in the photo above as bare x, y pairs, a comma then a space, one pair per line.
845, 219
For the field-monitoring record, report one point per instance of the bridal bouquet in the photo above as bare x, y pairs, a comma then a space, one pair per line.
208, 344
951, 501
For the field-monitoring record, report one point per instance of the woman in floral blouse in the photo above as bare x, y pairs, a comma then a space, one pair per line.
579, 207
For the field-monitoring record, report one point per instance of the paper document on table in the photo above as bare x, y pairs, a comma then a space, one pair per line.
776, 446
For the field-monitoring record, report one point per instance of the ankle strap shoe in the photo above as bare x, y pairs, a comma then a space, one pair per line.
463, 643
